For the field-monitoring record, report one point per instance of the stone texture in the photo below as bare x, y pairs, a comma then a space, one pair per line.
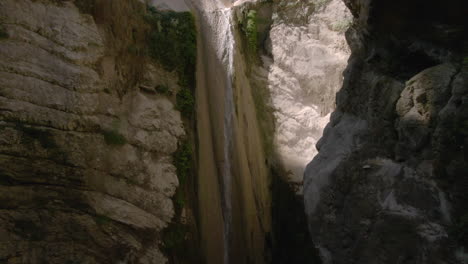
86, 172
389, 182
308, 55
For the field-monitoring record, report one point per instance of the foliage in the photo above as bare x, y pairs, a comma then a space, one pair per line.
163, 89
251, 31
185, 102
173, 43
113, 137
174, 236
183, 158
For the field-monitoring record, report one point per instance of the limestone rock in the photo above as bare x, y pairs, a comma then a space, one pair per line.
86, 172
401, 114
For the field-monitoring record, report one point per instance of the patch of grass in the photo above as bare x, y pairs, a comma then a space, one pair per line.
113, 137
173, 43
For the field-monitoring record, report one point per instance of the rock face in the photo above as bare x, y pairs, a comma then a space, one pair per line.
86, 172
308, 55
389, 183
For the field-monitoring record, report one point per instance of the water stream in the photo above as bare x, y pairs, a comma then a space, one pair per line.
218, 46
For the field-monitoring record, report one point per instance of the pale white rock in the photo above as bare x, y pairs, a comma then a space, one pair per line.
304, 74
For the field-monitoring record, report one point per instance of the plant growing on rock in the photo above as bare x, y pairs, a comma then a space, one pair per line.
251, 31
172, 43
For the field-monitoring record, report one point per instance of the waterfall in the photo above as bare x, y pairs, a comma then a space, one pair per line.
228, 129
217, 28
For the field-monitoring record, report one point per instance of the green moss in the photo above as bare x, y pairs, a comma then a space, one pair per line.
251, 31
113, 137
185, 102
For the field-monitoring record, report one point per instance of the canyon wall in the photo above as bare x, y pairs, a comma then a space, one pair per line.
86, 173
306, 53
389, 182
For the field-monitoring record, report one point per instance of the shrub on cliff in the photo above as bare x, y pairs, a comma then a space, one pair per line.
251, 31
173, 43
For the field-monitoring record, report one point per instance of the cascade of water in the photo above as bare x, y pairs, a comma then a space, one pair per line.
218, 30
228, 130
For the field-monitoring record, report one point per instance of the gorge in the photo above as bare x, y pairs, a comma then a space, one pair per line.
236, 132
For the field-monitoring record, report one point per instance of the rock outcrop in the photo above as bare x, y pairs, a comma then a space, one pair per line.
86, 172
308, 56
389, 183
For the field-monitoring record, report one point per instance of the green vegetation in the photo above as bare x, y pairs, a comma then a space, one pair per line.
175, 236
249, 26
163, 89
183, 159
251, 30
173, 43
185, 102
113, 137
